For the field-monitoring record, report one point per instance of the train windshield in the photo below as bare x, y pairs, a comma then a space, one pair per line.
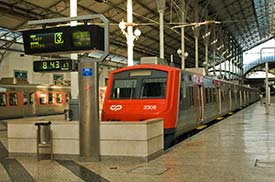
153, 88
124, 89
138, 85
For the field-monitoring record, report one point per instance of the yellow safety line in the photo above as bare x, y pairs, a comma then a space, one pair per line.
201, 127
219, 118
230, 113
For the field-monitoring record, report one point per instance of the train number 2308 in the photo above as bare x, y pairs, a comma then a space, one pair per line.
149, 107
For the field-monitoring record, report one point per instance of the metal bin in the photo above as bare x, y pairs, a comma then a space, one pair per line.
44, 136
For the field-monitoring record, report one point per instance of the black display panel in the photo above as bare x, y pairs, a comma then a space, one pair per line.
53, 65
64, 39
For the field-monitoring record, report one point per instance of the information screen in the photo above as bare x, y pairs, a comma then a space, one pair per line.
53, 65
81, 39
47, 41
64, 40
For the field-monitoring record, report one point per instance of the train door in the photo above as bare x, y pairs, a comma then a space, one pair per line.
229, 98
219, 100
241, 99
248, 98
201, 102
244, 98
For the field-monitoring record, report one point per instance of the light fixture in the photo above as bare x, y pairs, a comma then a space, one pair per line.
196, 24
220, 47
137, 32
123, 25
214, 42
206, 35
179, 52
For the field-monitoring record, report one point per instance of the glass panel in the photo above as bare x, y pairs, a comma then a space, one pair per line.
192, 97
31, 98
59, 98
68, 98
3, 99
124, 89
50, 98
42, 98
13, 99
25, 98
153, 88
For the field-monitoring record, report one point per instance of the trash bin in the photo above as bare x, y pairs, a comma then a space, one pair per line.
44, 132
44, 137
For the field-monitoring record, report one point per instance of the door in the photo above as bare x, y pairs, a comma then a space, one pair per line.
219, 100
241, 99
229, 98
201, 102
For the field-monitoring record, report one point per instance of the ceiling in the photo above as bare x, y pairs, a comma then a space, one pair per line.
243, 24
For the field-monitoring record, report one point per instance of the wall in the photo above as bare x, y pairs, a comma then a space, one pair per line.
142, 139
19, 61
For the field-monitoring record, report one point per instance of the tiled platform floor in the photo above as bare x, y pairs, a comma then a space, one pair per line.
240, 148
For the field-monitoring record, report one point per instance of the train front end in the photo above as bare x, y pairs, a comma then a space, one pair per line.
142, 92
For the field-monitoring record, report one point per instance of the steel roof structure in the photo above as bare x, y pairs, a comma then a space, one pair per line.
242, 25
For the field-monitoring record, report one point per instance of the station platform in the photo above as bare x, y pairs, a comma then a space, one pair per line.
239, 148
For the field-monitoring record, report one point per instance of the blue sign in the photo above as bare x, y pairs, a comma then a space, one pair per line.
87, 72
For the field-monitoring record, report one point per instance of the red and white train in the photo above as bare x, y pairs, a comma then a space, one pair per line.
183, 99
22, 99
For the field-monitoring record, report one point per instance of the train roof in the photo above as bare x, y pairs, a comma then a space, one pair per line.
166, 67
23, 83
146, 66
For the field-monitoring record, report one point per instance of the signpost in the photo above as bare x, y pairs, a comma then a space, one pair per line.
89, 108
78, 39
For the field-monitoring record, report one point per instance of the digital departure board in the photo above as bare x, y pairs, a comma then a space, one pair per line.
64, 39
53, 65
46, 41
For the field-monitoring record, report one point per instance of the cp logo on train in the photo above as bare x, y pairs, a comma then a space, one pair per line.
115, 107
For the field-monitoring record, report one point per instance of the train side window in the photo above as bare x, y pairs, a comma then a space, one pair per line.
222, 95
13, 99
25, 98
214, 95
50, 96
59, 98
183, 84
3, 99
207, 95
208, 100
68, 98
191, 91
124, 89
31, 98
182, 94
153, 88
42, 98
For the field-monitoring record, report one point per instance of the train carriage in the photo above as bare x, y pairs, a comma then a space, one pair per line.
21, 99
183, 99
